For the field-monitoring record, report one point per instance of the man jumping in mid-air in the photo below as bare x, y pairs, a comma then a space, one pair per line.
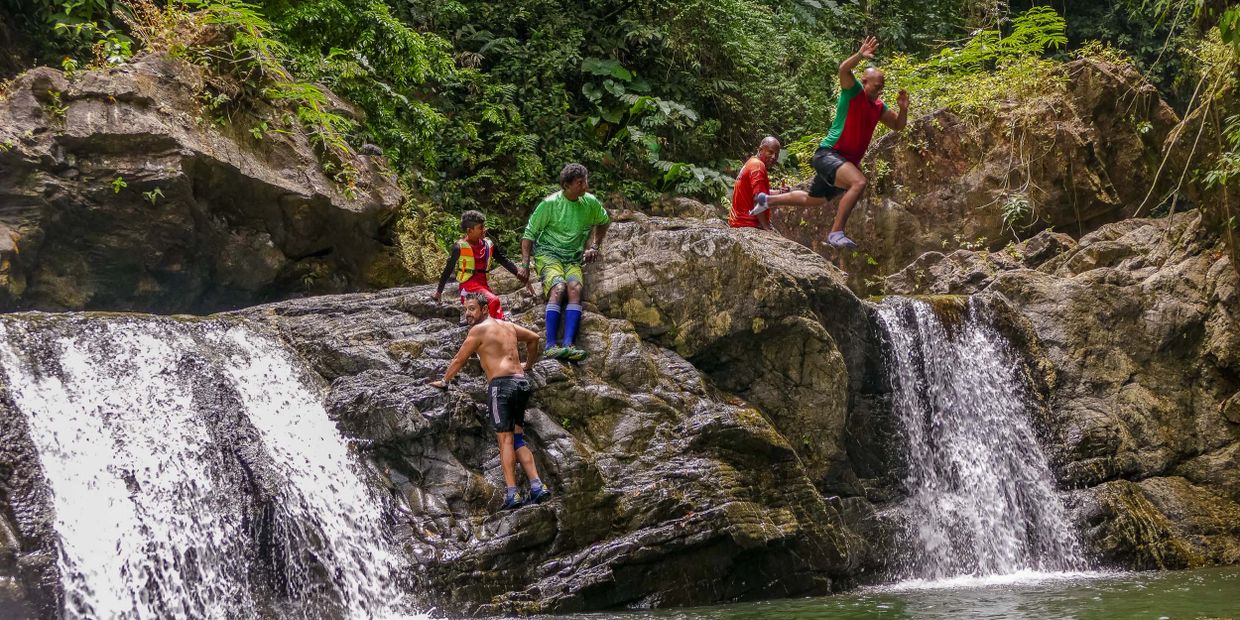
508, 390
837, 162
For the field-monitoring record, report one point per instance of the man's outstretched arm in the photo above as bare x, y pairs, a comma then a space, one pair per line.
467, 349
897, 120
847, 79
532, 350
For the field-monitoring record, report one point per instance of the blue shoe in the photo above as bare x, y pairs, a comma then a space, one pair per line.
837, 239
539, 496
759, 204
512, 502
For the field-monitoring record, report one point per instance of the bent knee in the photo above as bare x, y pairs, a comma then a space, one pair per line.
859, 184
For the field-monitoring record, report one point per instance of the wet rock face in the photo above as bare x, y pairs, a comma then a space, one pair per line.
943, 182
29, 578
667, 490
120, 191
1136, 331
765, 318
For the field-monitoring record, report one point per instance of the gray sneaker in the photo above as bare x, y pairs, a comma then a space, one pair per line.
759, 204
837, 239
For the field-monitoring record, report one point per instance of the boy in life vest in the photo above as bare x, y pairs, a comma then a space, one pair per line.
471, 258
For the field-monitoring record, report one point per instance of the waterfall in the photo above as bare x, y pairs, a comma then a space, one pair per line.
981, 499
195, 474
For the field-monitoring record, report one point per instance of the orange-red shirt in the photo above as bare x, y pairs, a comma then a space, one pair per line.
750, 181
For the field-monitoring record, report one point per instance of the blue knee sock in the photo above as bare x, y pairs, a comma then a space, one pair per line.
571, 316
553, 323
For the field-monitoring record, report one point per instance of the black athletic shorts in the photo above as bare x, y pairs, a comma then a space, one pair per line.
506, 400
825, 162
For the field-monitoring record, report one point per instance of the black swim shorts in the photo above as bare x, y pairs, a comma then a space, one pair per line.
506, 401
825, 162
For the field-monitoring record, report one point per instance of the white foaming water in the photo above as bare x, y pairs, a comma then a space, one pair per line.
321, 482
981, 498
148, 525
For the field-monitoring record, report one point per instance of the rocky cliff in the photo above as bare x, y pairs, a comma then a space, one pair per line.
945, 181
675, 485
123, 189
1136, 332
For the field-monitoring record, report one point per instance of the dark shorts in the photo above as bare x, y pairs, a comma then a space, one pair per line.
825, 162
506, 401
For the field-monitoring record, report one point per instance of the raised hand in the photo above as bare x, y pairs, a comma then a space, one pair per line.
902, 99
868, 46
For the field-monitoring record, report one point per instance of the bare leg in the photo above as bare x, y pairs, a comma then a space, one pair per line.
507, 458
797, 198
574, 292
526, 458
849, 178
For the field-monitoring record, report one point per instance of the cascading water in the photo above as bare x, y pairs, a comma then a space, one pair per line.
981, 498
195, 474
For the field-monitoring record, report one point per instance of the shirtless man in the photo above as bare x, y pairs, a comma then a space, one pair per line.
508, 391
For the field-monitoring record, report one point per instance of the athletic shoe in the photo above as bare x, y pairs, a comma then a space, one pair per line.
573, 354
837, 239
539, 496
512, 503
555, 352
759, 204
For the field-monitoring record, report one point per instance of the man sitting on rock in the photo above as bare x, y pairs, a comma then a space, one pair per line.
508, 390
837, 162
564, 231
753, 181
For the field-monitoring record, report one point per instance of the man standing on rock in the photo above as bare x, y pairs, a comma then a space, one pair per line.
753, 181
508, 390
837, 162
564, 231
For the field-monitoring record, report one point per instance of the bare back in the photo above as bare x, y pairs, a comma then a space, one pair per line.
497, 348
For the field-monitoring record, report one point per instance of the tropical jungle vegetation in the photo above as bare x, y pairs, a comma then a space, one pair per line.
478, 103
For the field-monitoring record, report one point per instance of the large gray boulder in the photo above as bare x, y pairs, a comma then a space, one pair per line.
765, 318
123, 189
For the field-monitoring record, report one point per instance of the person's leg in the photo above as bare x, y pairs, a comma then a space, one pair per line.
494, 307
555, 310
524, 455
507, 458
798, 198
552, 274
517, 404
849, 178
572, 314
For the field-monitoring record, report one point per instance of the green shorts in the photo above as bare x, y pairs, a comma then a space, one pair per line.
554, 271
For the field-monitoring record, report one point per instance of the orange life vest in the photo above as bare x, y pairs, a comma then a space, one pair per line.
465, 268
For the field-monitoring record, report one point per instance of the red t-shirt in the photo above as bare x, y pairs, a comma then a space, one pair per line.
750, 181
855, 119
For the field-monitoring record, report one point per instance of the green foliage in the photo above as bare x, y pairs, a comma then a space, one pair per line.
118, 184
991, 67
153, 195
1228, 165
1016, 209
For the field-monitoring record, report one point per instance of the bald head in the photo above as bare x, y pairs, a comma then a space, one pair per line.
872, 81
768, 150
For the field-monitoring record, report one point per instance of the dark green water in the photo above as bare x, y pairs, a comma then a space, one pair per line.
1206, 593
